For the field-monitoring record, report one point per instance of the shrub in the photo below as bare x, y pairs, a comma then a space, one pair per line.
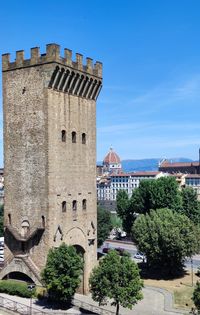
13, 287
41, 293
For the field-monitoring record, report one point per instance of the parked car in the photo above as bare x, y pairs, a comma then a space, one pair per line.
139, 255
106, 250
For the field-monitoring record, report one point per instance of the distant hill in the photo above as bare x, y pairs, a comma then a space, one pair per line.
146, 164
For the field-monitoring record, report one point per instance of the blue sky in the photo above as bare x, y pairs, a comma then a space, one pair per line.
150, 102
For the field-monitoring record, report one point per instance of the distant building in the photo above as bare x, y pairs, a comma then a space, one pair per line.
130, 181
99, 170
179, 167
193, 180
112, 163
108, 186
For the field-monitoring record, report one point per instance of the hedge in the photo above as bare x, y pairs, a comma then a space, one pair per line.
15, 288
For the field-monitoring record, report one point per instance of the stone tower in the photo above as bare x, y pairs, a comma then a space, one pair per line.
50, 158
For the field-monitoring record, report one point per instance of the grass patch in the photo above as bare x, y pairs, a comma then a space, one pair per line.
182, 297
180, 287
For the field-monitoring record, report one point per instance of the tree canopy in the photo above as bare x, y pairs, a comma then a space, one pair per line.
104, 225
196, 296
157, 194
166, 238
190, 204
125, 210
62, 272
116, 278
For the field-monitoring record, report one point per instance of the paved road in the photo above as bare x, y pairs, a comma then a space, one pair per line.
132, 249
153, 303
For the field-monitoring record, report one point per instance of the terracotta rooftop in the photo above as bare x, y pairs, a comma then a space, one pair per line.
147, 173
178, 164
111, 158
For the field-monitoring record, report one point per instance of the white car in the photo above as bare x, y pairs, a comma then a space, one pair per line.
139, 255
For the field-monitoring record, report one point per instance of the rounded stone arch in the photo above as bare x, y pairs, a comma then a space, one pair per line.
76, 237
17, 275
19, 267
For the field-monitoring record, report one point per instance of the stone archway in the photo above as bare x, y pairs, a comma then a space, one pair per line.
81, 252
17, 275
77, 238
20, 266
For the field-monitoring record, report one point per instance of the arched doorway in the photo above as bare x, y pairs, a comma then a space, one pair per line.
80, 250
16, 275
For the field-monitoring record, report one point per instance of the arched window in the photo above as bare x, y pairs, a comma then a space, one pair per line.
83, 138
84, 204
73, 137
63, 135
64, 206
74, 205
9, 218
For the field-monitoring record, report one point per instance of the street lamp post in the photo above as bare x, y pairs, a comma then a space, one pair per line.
30, 288
192, 272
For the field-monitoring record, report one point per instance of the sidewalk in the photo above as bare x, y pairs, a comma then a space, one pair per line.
156, 301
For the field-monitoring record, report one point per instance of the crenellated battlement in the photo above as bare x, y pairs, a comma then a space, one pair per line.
52, 55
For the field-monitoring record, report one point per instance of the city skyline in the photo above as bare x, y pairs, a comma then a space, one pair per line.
149, 104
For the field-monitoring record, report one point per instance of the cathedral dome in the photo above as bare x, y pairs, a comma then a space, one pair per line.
111, 158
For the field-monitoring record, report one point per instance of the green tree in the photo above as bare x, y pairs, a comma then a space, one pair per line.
190, 204
166, 238
116, 278
125, 211
62, 273
196, 296
151, 194
104, 225
156, 194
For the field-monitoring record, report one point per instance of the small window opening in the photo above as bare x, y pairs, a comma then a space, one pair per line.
84, 204
23, 247
74, 205
43, 221
9, 218
73, 137
64, 206
83, 138
63, 135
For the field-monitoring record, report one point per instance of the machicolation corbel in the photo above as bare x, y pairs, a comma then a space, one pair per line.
52, 55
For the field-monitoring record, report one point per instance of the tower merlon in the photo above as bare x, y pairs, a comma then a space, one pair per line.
19, 58
52, 55
89, 64
68, 56
79, 60
98, 67
35, 55
52, 52
5, 61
